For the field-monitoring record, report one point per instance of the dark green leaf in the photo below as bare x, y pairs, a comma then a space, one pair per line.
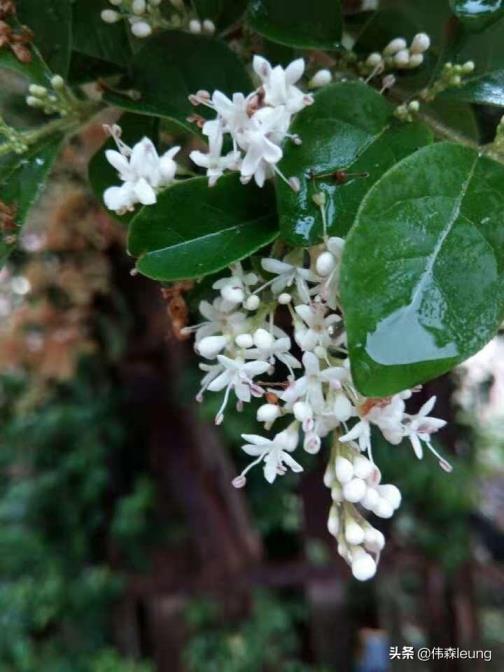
485, 89
221, 12
51, 23
93, 37
172, 65
310, 25
349, 127
422, 278
35, 71
194, 230
22, 180
477, 14
101, 174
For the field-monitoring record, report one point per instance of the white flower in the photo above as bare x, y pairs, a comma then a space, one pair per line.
142, 171
220, 320
274, 349
289, 274
316, 327
310, 387
419, 427
234, 288
274, 452
237, 375
260, 144
214, 162
360, 432
278, 84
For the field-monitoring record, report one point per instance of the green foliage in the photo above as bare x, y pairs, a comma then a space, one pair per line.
22, 180
309, 25
221, 12
478, 15
172, 65
422, 271
350, 127
173, 240
93, 37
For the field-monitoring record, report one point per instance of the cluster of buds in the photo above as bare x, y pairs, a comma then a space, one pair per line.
13, 138
406, 111
301, 371
57, 100
451, 77
397, 55
18, 40
257, 124
146, 16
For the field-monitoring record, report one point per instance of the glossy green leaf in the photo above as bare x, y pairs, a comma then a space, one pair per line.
485, 89
22, 180
422, 276
349, 127
101, 174
35, 71
221, 12
93, 37
309, 25
172, 65
51, 23
194, 230
478, 14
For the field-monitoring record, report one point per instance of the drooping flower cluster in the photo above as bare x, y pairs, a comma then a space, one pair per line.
257, 124
142, 171
279, 336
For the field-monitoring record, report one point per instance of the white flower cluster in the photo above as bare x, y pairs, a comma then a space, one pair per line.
398, 55
309, 388
142, 171
144, 16
257, 124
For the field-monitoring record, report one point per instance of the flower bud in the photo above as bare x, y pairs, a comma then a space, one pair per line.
57, 82
363, 567
284, 299
244, 340
421, 42
342, 408
354, 533
268, 413
117, 3
363, 467
138, 7
38, 91
302, 411
195, 26
141, 29
209, 26
210, 346
239, 482
395, 45
374, 59
374, 540
110, 16
370, 499
391, 493
354, 490
232, 293
415, 60
383, 508
263, 339
252, 302
336, 493
343, 469
329, 476
468, 67
402, 58
333, 522
320, 78
325, 264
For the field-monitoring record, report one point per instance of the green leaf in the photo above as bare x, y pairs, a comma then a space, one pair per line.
422, 278
22, 181
194, 230
93, 37
51, 23
485, 89
35, 71
101, 174
172, 65
222, 12
309, 25
349, 127
478, 14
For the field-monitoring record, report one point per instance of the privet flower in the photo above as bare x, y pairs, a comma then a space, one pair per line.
257, 124
309, 396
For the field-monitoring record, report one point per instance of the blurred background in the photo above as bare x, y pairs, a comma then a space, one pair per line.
123, 546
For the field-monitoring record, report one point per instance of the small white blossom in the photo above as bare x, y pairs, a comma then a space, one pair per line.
275, 452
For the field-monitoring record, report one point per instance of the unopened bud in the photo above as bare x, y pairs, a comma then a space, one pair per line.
268, 413
57, 82
141, 29
343, 469
362, 467
325, 264
421, 42
209, 26
383, 508
391, 493
363, 567
233, 294
239, 482
374, 540
333, 522
263, 339
320, 78
210, 346
252, 302
138, 7
354, 533
354, 490
284, 298
195, 26
416, 60
402, 58
374, 59
110, 16
244, 340
395, 45
468, 67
